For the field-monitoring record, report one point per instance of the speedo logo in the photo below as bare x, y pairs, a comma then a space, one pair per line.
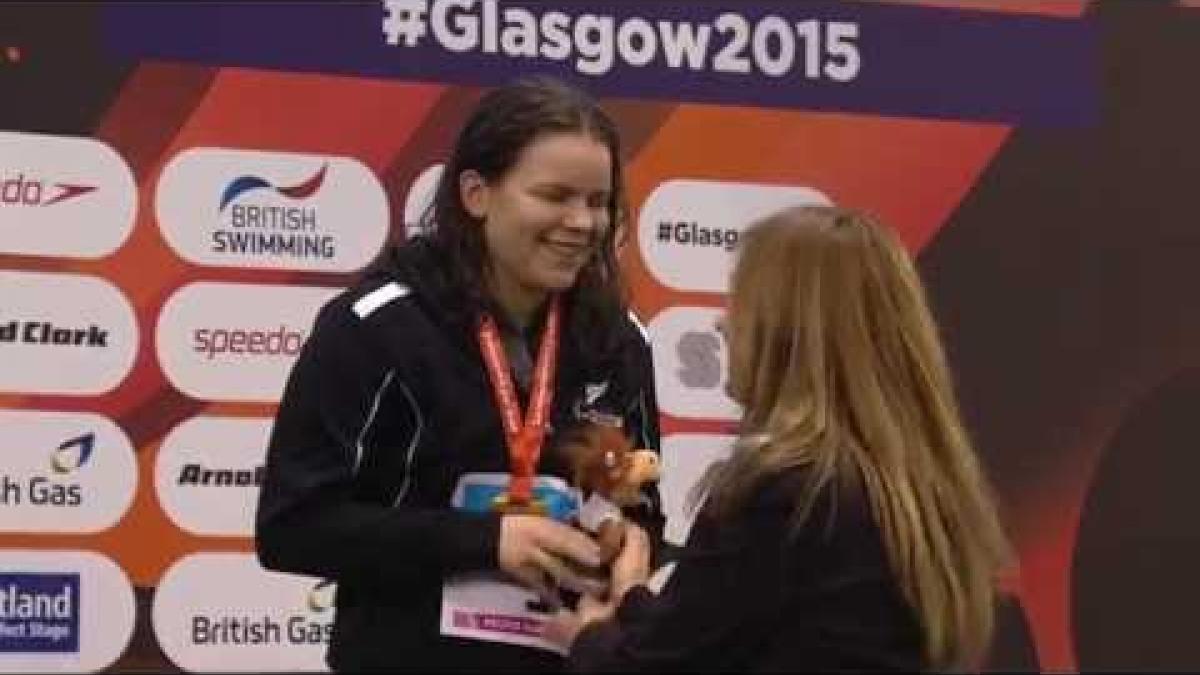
63, 196
236, 342
23, 190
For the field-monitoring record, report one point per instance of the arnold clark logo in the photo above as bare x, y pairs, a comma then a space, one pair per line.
243, 208
63, 334
64, 472
688, 229
63, 196
224, 612
690, 364
209, 471
235, 342
62, 611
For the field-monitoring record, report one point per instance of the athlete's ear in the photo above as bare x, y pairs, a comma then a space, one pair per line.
474, 192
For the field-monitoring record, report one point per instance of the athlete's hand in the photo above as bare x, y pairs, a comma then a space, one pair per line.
540, 553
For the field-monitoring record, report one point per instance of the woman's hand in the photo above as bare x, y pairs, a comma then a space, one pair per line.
631, 567
562, 628
541, 553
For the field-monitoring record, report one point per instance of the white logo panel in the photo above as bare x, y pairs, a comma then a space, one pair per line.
242, 208
209, 471
64, 334
222, 612
63, 196
64, 472
685, 458
420, 197
691, 364
688, 229
62, 611
235, 342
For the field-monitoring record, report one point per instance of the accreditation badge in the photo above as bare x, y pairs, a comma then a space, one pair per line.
486, 606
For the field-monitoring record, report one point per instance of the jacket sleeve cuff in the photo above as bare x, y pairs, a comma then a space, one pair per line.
469, 541
634, 604
594, 646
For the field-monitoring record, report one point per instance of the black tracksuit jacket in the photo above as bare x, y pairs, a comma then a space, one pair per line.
751, 593
386, 407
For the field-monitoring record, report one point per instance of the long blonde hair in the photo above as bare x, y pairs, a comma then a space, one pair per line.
836, 360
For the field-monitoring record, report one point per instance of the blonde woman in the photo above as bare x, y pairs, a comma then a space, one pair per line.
852, 527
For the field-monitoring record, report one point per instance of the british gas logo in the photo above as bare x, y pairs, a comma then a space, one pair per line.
254, 620
63, 196
271, 210
73, 453
322, 596
75, 472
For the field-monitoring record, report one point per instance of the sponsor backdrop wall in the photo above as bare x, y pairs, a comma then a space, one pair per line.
182, 185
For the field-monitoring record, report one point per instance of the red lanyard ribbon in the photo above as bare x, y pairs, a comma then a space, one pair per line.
524, 436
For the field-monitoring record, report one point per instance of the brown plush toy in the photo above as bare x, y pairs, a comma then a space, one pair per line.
609, 474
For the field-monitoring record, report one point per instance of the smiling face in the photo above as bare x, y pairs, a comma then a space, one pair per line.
543, 218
